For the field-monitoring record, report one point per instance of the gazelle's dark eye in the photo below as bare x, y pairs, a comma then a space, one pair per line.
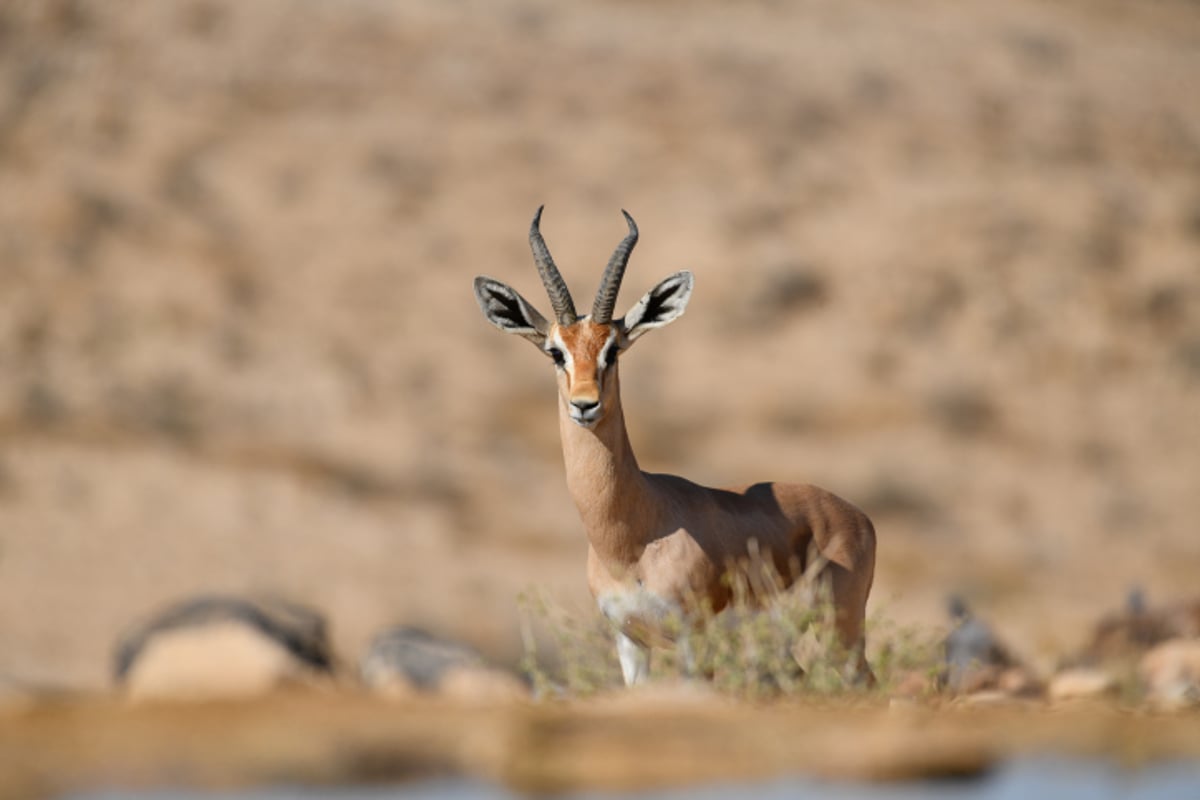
557, 355
610, 355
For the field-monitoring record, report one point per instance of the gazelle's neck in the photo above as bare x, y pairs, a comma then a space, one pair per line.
612, 494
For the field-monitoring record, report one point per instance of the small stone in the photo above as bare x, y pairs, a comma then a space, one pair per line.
405, 662
1080, 683
1171, 673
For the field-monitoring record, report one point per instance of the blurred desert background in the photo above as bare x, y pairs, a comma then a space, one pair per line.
947, 262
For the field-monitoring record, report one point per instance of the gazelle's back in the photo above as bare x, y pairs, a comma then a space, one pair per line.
774, 521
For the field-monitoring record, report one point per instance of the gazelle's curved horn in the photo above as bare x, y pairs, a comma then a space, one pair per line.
610, 284
556, 287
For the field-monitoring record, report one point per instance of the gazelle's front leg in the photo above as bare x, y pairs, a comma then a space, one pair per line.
635, 659
639, 617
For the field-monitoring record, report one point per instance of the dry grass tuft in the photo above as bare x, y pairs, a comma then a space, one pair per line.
750, 650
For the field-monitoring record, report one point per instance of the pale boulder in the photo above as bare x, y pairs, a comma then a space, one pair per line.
214, 647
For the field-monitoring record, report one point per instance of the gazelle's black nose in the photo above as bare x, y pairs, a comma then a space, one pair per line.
585, 405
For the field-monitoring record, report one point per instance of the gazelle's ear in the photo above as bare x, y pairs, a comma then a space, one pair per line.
661, 305
507, 310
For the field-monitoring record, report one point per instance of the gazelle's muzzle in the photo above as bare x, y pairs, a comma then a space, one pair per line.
585, 412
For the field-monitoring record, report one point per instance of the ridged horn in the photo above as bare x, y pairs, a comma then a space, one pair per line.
556, 287
610, 284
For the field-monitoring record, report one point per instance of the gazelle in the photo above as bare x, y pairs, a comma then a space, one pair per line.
660, 544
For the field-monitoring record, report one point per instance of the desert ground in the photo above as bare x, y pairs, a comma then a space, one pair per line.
947, 265
607, 746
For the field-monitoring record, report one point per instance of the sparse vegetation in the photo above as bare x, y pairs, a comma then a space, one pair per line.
750, 651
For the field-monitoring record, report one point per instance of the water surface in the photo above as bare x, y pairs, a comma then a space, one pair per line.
1058, 778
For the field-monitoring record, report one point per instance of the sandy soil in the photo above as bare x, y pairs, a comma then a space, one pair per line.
946, 262
607, 744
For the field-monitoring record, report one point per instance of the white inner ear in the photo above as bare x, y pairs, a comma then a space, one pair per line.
505, 308
661, 305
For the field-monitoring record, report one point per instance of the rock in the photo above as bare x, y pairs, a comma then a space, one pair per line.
406, 662
1080, 683
1120, 639
975, 658
214, 647
1171, 673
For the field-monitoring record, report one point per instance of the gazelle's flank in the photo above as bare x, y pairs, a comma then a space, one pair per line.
660, 543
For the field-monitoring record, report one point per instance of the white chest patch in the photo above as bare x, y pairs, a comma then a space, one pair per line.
640, 614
